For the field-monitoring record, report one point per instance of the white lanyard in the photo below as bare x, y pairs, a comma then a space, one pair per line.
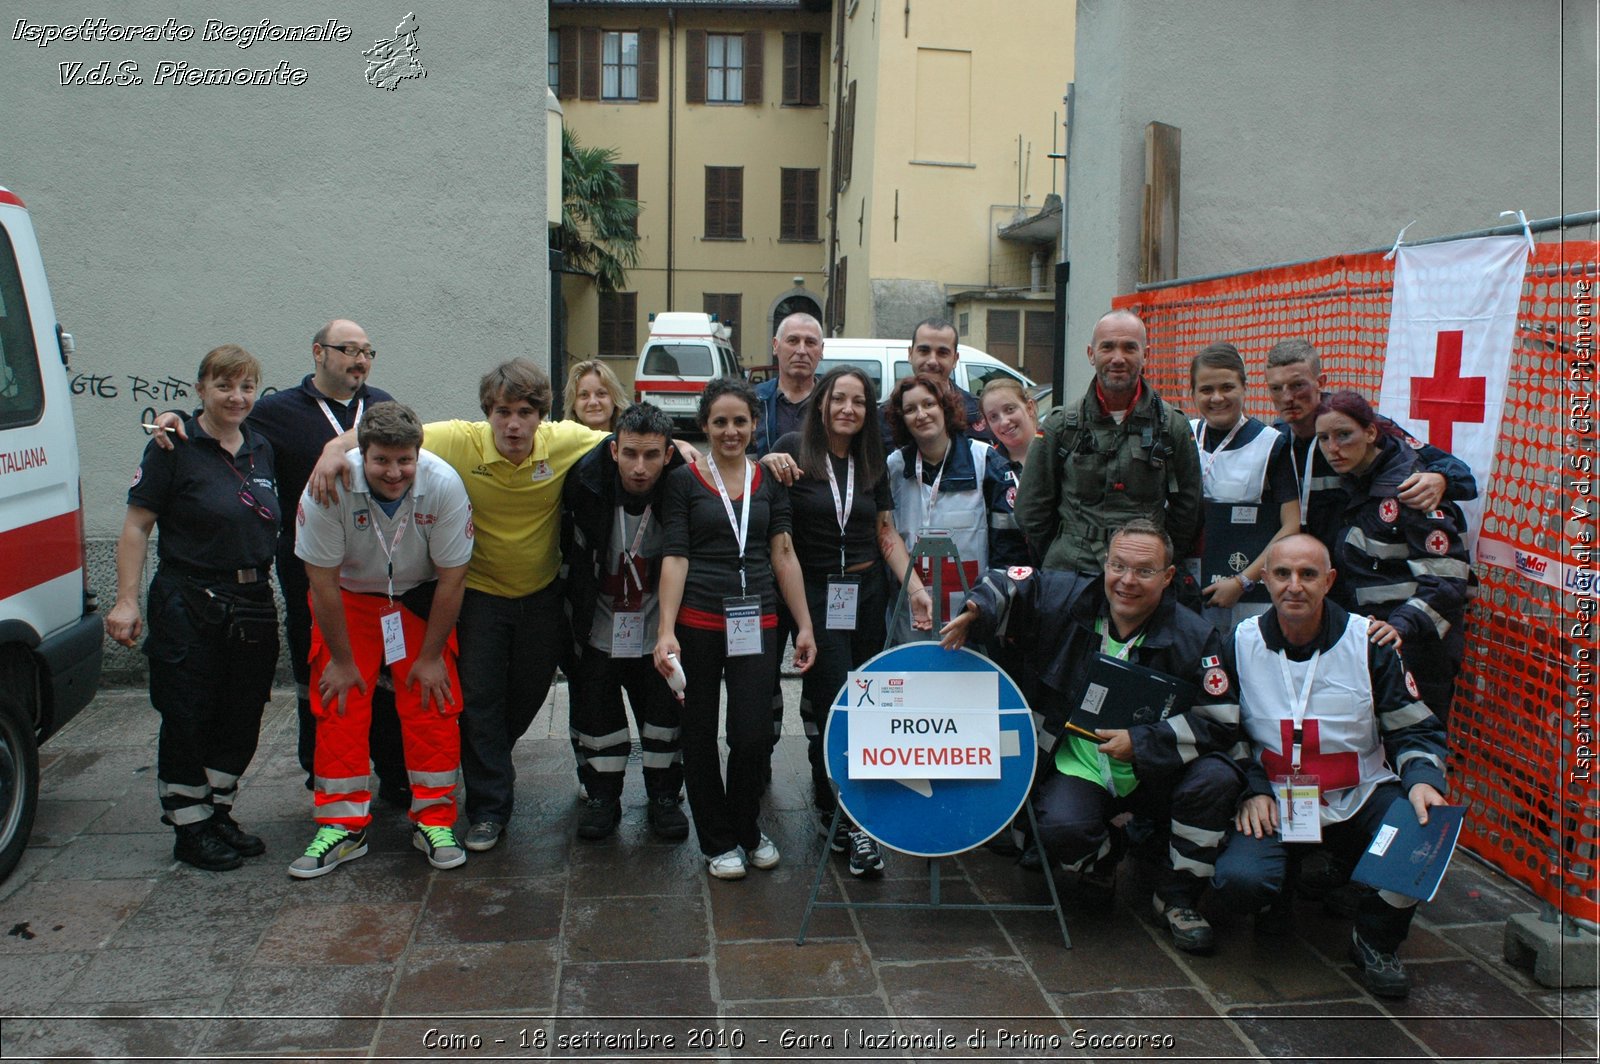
1105, 640
1297, 708
632, 552
841, 508
741, 525
933, 489
399, 533
1305, 478
1210, 457
338, 429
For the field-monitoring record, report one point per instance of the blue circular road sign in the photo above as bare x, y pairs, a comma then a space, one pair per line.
932, 817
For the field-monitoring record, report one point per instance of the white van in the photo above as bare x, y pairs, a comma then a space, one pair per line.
683, 352
50, 632
886, 361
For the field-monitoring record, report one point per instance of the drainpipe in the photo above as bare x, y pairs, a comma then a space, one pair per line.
833, 179
672, 139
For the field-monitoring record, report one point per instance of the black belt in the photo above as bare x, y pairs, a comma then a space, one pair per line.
218, 576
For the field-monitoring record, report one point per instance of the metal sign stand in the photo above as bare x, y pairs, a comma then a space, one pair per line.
937, 548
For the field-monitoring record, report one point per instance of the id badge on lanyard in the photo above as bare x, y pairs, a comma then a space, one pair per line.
627, 617
741, 613
844, 589
1298, 794
742, 618
392, 627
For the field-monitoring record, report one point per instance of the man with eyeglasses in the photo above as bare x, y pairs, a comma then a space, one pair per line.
299, 422
1118, 453
1295, 381
1174, 771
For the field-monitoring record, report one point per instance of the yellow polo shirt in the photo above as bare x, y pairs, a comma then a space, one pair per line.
516, 509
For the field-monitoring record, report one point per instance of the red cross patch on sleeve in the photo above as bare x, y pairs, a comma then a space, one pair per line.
1437, 542
1389, 511
1411, 685
1216, 682
138, 475
1019, 572
300, 515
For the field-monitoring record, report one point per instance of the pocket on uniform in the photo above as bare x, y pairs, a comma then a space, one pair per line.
172, 631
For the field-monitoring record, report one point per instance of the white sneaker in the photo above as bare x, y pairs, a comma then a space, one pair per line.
728, 865
765, 855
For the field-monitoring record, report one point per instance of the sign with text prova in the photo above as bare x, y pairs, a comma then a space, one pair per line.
932, 750
934, 725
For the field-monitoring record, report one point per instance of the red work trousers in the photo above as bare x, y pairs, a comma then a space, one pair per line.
432, 739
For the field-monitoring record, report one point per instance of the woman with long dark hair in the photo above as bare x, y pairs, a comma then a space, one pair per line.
726, 558
1407, 567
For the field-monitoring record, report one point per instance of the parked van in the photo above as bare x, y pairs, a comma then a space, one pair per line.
684, 351
886, 361
50, 632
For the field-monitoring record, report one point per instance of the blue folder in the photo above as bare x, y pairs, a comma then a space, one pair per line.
1407, 857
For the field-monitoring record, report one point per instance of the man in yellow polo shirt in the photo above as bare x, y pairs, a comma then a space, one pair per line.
512, 624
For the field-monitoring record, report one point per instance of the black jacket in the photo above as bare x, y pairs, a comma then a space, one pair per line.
1049, 618
588, 521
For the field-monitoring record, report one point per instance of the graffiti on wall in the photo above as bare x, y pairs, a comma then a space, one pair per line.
141, 395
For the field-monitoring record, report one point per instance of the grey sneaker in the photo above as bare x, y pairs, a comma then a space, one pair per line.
331, 847
866, 860
765, 855
440, 845
1381, 973
1191, 932
483, 836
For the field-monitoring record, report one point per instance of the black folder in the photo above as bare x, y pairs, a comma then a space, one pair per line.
1235, 536
1119, 694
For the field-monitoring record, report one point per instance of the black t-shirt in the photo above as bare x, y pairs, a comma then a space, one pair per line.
194, 491
816, 522
294, 423
697, 528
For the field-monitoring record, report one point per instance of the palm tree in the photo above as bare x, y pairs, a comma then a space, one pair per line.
598, 234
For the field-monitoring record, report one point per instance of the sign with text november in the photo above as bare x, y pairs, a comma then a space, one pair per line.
932, 725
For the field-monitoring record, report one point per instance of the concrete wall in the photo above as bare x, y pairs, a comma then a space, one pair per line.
945, 90
762, 138
176, 217
1313, 128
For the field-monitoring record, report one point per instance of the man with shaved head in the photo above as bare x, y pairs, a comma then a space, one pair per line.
1117, 454
796, 348
1337, 732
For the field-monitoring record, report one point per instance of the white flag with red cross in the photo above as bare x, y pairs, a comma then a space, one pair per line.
1450, 335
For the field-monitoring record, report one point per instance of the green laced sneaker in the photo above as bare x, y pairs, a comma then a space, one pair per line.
440, 845
331, 847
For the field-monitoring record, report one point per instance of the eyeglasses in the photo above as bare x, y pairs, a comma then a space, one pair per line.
1143, 572
354, 351
251, 501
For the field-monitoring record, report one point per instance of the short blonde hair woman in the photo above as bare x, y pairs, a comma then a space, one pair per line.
594, 396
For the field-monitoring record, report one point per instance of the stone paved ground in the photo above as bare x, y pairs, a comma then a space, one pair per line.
550, 947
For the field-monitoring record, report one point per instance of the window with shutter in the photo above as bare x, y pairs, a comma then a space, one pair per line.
619, 65
724, 68
724, 202
798, 190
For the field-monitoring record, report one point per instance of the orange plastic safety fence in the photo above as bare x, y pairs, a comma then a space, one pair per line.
1522, 734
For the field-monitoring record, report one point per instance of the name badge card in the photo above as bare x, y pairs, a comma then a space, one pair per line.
394, 635
1299, 816
844, 595
627, 634
742, 616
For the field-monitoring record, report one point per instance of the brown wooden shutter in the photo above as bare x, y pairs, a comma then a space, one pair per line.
694, 75
733, 191
788, 204
589, 63
649, 65
810, 181
791, 68
810, 87
567, 72
713, 228
752, 66
848, 145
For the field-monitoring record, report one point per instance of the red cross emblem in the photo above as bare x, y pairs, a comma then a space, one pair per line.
1447, 397
1437, 542
1334, 772
1216, 682
1389, 511
1411, 685
1011, 497
1019, 572
138, 475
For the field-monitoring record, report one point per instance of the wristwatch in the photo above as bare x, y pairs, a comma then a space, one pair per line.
1244, 581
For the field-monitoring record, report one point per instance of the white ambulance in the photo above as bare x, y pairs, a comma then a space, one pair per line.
50, 632
683, 352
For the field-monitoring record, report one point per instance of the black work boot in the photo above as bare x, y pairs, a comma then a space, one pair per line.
224, 827
200, 846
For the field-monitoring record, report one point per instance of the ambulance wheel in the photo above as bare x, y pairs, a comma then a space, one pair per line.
19, 781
